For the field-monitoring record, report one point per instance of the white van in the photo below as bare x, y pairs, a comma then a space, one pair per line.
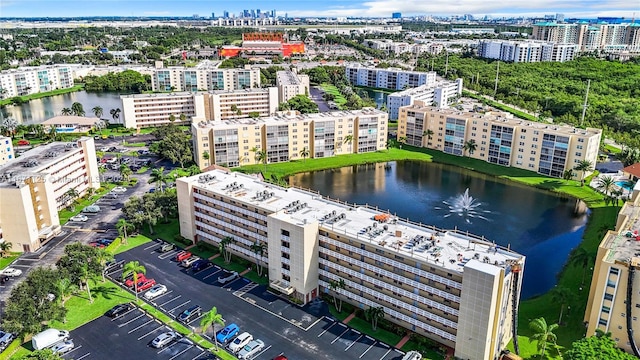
412, 355
48, 338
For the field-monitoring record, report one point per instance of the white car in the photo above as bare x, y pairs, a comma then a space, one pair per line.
63, 347
155, 291
119, 189
188, 262
79, 217
104, 149
252, 348
13, 272
227, 277
164, 339
239, 342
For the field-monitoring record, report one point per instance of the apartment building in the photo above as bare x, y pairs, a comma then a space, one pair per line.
613, 305
35, 187
32, 80
6, 150
526, 51
442, 284
204, 78
148, 110
289, 135
390, 78
589, 37
440, 94
291, 84
499, 138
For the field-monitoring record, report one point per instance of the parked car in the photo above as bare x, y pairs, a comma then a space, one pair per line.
412, 355
166, 247
227, 277
119, 189
23, 142
239, 342
111, 195
124, 151
280, 357
63, 347
91, 209
252, 348
141, 278
200, 265
3, 279
104, 149
186, 263
5, 339
155, 291
105, 242
112, 160
12, 272
164, 339
79, 218
97, 244
113, 149
146, 285
183, 255
152, 190
118, 310
190, 313
228, 333
48, 338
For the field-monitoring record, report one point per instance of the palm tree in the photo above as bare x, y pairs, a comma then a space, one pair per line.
210, 319
582, 258
134, 268
470, 146
4, 248
124, 227
159, 178
402, 140
259, 248
224, 248
304, 153
255, 150
66, 111
583, 166
543, 333
77, 109
172, 118
182, 117
99, 125
568, 174
64, 289
102, 256
429, 134
73, 195
85, 276
334, 286
9, 126
125, 171
97, 111
262, 157
561, 295
115, 114
348, 140
606, 183
193, 170
374, 314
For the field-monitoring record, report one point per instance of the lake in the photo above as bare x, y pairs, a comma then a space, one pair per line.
542, 226
39, 110
378, 96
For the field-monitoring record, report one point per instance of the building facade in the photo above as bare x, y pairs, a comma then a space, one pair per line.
36, 186
590, 37
440, 94
6, 150
204, 78
499, 138
526, 51
390, 78
441, 284
291, 84
33, 80
238, 104
613, 305
288, 136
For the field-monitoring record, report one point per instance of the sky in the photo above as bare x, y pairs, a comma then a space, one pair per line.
313, 8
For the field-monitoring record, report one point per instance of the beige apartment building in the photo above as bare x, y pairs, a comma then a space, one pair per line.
237, 104
499, 138
442, 284
204, 78
291, 84
288, 136
35, 187
6, 150
614, 304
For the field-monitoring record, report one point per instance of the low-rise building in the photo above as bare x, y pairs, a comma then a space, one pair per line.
32, 80
6, 150
70, 124
440, 94
40, 183
291, 84
499, 138
389, 78
287, 136
454, 288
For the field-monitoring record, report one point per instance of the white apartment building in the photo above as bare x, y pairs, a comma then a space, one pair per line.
499, 138
291, 84
526, 51
204, 78
440, 94
287, 136
32, 80
6, 150
455, 288
35, 187
390, 78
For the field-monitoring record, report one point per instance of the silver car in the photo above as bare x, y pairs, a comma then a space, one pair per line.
227, 277
63, 347
251, 349
164, 339
240, 341
155, 291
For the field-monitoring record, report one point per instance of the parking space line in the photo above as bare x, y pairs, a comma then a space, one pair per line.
76, 348
353, 342
398, 351
118, 317
385, 354
184, 303
231, 282
175, 298
327, 329
150, 332
138, 328
151, 246
167, 255
369, 348
197, 356
83, 356
339, 336
175, 342
261, 352
159, 296
182, 352
130, 321
313, 324
213, 273
196, 319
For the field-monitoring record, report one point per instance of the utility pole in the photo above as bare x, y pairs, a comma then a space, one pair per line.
495, 88
584, 106
446, 66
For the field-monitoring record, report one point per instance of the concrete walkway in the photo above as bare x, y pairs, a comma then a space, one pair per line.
348, 318
403, 341
214, 256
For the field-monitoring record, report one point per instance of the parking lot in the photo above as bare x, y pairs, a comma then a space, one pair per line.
299, 332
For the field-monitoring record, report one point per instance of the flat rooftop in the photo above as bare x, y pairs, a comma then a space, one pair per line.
447, 249
424, 88
624, 244
287, 78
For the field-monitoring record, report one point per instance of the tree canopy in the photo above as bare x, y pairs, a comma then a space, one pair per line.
599, 346
173, 144
300, 103
127, 81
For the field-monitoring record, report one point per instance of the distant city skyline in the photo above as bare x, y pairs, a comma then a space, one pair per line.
330, 8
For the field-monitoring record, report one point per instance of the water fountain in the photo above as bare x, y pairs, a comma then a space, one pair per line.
466, 206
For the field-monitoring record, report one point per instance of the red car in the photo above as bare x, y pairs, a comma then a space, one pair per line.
280, 357
23, 142
146, 285
141, 279
183, 255
97, 244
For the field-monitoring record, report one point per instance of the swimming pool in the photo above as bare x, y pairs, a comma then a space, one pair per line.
626, 184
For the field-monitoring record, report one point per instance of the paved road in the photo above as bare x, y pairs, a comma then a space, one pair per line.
316, 96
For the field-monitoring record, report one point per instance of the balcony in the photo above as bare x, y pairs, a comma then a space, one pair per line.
282, 287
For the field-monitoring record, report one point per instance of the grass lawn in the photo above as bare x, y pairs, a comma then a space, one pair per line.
166, 232
142, 170
65, 214
612, 149
134, 144
339, 99
132, 242
44, 94
430, 354
7, 259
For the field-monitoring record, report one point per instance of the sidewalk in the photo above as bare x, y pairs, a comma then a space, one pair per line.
348, 318
403, 341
